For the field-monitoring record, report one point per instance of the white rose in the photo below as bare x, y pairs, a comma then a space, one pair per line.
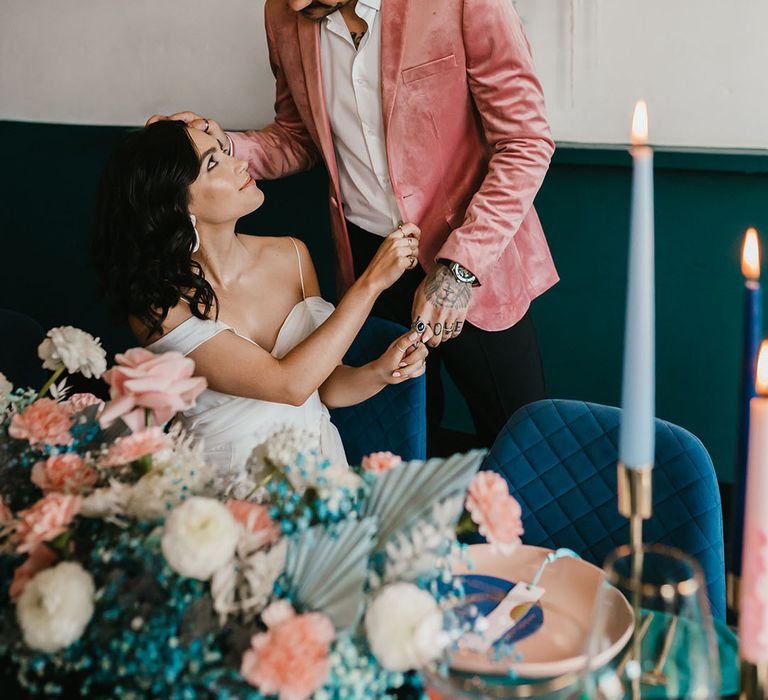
404, 627
200, 537
55, 607
5, 392
74, 349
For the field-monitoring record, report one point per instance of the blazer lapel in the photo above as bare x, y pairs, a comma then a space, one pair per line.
309, 41
393, 19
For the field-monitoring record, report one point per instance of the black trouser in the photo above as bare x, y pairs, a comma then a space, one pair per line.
496, 371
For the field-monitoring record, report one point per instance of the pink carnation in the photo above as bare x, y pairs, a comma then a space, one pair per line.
290, 659
43, 421
146, 441
5, 512
68, 473
495, 511
143, 380
41, 557
256, 521
380, 462
79, 402
45, 520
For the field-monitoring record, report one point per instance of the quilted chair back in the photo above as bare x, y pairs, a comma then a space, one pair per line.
395, 419
559, 459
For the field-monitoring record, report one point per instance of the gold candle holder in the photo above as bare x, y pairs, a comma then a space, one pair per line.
753, 681
635, 490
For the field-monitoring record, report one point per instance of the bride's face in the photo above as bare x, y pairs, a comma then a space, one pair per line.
223, 190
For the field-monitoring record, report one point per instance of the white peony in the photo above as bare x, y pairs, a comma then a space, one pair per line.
404, 627
200, 537
55, 607
5, 392
74, 349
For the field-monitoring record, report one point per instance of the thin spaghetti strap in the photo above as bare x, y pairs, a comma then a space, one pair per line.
301, 272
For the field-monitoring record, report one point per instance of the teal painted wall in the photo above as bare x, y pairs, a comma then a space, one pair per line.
704, 202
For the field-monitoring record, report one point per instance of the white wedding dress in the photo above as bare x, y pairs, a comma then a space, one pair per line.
231, 426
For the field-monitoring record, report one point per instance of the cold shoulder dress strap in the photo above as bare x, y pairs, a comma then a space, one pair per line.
189, 335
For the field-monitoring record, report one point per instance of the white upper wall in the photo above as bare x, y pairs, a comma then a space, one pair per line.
700, 64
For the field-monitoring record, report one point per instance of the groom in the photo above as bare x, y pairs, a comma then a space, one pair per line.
426, 111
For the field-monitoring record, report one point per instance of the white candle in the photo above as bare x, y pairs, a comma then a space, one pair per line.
753, 618
637, 439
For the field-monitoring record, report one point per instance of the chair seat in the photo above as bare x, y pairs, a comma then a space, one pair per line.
559, 459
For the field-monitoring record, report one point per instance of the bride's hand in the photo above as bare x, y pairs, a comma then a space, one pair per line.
397, 253
404, 359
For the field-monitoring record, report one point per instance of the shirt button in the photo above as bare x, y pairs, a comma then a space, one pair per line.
361, 81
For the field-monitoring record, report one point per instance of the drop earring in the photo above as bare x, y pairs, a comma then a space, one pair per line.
196, 244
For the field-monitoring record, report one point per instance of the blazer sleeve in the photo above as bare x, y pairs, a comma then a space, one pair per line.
510, 102
283, 147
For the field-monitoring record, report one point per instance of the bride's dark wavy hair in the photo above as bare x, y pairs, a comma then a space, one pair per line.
143, 239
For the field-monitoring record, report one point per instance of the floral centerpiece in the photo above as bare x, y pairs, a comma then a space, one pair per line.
129, 570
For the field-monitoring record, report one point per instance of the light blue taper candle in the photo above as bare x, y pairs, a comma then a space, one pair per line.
637, 439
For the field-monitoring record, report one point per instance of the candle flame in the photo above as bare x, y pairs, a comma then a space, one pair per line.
750, 255
761, 380
640, 124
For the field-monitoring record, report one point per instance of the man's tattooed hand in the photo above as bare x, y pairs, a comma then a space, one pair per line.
444, 291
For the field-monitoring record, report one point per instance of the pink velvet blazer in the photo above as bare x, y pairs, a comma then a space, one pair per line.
467, 139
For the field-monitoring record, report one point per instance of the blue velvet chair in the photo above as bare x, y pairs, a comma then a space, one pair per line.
394, 419
559, 459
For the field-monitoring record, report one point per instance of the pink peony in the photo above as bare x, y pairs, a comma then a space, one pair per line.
290, 659
43, 421
41, 557
45, 520
256, 521
79, 402
380, 462
495, 511
143, 380
68, 473
146, 441
5, 512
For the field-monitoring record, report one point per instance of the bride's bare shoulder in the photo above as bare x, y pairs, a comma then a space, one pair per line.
274, 249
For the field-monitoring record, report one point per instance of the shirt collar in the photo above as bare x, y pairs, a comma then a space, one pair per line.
374, 5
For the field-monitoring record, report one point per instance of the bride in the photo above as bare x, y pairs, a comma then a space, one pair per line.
246, 309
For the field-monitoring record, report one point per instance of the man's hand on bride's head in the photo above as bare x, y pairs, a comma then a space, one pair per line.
404, 359
194, 120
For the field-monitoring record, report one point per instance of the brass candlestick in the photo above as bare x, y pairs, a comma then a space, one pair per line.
635, 489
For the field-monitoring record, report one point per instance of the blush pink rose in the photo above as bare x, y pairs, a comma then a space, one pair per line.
45, 520
41, 557
146, 441
44, 421
256, 521
290, 659
380, 462
495, 511
79, 402
140, 380
68, 473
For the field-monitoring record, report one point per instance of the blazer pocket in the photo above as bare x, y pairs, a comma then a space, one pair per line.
411, 75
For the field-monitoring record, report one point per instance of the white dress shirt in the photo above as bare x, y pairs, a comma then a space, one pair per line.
352, 88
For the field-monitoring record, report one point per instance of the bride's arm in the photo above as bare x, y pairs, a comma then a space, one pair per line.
235, 366
402, 361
